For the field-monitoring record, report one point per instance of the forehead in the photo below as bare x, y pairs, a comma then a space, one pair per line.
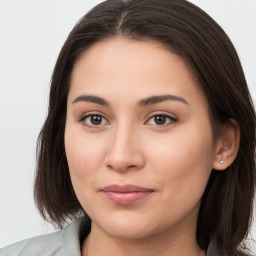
125, 67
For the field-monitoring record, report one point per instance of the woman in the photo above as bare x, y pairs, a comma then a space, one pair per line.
149, 142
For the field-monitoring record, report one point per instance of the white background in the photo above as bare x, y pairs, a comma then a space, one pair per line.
31, 35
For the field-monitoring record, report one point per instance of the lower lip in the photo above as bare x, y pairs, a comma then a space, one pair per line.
126, 198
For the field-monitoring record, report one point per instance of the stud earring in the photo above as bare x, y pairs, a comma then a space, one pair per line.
221, 161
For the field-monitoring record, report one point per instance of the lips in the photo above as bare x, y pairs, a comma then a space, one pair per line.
125, 195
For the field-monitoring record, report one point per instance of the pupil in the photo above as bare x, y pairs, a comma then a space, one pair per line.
96, 120
160, 120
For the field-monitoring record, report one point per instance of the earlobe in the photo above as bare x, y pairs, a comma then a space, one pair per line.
227, 145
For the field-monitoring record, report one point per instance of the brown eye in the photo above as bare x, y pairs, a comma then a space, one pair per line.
161, 120
94, 120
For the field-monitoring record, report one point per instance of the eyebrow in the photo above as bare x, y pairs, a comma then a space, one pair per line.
142, 103
91, 98
160, 98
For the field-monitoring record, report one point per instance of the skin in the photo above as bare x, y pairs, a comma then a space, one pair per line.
126, 145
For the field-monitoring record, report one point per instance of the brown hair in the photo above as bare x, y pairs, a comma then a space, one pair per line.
227, 204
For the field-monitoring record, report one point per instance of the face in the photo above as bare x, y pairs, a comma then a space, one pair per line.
138, 139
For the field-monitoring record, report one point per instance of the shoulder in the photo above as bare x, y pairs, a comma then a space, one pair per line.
64, 242
212, 249
43, 244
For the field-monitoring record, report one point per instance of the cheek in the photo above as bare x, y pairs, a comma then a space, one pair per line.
83, 152
184, 150
84, 157
184, 161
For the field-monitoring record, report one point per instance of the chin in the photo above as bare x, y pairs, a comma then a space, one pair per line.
128, 231
128, 226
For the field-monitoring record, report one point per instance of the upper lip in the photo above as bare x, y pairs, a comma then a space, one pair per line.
125, 188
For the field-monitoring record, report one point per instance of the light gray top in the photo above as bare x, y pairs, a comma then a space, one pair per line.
61, 243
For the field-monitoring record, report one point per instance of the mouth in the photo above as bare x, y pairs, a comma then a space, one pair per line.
125, 195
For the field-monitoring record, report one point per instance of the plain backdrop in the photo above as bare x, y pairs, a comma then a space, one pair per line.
31, 35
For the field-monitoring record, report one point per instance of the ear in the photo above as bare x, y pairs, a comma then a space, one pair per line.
227, 145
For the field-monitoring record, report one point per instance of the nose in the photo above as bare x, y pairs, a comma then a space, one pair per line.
125, 150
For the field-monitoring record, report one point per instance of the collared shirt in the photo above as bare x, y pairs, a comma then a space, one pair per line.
62, 243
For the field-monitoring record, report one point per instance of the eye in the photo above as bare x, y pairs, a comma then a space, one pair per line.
93, 120
161, 120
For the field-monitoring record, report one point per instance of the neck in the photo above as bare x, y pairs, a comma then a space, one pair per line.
164, 244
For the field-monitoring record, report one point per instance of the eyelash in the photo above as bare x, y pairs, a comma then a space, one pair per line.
82, 120
171, 120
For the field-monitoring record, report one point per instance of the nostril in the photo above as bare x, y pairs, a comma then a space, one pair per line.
131, 166
122, 168
124, 158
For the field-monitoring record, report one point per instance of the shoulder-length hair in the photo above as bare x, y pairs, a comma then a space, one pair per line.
227, 203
